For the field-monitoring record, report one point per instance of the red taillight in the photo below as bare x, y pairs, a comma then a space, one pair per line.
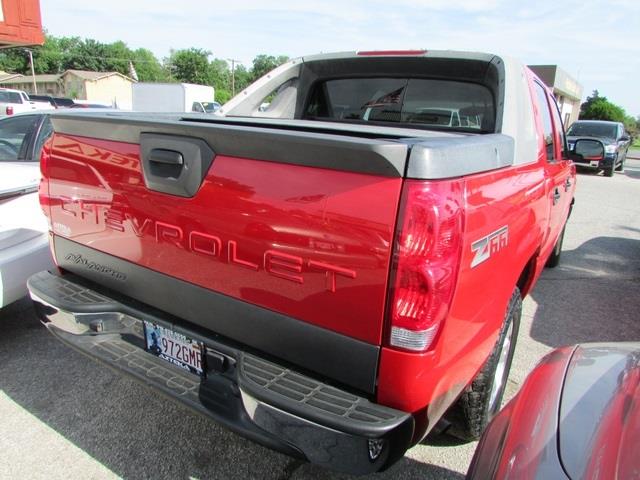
426, 259
9, 110
394, 53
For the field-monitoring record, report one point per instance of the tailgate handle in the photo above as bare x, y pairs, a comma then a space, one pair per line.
174, 164
167, 157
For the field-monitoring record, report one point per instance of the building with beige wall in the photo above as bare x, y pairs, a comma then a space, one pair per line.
108, 88
566, 89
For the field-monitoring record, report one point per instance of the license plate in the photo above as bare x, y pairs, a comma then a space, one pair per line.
174, 348
594, 163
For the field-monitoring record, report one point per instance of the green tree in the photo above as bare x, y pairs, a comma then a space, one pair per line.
147, 66
221, 79
14, 60
599, 108
263, 64
242, 78
48, 57
190, 66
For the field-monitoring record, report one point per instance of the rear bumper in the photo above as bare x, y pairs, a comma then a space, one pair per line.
266, 402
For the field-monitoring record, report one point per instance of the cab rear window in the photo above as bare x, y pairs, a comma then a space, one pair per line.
422, 103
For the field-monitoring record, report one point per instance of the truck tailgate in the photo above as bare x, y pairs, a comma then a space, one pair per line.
297, 224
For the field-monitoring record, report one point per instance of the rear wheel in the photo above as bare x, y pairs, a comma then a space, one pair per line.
482, 399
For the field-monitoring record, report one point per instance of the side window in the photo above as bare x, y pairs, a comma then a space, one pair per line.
197, 107
547, 125
16, 134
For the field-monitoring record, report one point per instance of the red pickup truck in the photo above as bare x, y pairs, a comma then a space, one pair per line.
331, 264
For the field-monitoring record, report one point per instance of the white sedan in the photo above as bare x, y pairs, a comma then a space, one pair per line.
24, 245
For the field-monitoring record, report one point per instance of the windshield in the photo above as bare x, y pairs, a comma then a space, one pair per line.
210, 107
441, 104
593, 130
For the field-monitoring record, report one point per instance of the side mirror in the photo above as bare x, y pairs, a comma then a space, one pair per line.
625, 138
586, 150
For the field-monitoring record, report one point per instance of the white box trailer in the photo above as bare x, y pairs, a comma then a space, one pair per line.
171, 97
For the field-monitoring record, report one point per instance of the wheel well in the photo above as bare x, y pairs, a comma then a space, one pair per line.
524, 282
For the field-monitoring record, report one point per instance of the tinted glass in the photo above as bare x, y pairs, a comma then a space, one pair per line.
593, 130
547, 126
63, 102
15, 135
426, 103
10, 97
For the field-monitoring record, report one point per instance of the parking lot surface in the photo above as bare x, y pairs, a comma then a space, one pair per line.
64, 416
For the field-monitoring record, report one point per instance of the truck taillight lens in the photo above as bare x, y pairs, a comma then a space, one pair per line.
426, 258
9, 110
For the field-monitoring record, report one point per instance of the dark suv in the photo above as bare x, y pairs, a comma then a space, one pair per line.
614, 137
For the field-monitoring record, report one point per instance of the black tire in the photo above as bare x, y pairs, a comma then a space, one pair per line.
608, 172
554, 258
474, 409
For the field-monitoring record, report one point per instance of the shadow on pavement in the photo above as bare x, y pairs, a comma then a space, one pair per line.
592, 296
632, 173
131, 430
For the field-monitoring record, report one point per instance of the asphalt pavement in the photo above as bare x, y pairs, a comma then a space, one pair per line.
62, 416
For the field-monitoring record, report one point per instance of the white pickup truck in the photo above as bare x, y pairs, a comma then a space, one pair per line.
15, 101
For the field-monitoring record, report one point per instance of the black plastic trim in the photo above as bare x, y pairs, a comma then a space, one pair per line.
318, 402
173, 164
343, 359
268, 143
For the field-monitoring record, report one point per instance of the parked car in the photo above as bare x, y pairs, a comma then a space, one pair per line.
615, 138
24, 244
57, 102
16, 101
329, 276
89, 105
577, 416
208, 107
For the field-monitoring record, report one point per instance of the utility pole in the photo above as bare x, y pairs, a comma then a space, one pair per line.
33, 73
233, 75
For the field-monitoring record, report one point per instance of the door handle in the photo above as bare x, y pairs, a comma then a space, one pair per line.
556, 196
567, 184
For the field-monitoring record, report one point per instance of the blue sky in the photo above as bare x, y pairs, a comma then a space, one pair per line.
596, 42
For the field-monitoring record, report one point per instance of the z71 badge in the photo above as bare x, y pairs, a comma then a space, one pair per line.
489, 245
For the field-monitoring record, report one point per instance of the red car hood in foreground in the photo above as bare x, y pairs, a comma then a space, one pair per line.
576, 416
